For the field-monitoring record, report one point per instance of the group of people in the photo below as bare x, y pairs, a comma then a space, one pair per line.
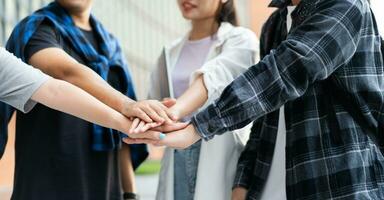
296, 115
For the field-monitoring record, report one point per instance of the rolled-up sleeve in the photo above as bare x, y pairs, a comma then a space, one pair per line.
313, 51
19, 81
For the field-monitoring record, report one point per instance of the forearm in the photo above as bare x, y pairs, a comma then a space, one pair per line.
192, 99
58, 64
91, 82
287, 72
67, 98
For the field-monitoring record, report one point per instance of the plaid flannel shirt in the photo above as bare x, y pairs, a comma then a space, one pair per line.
329, 75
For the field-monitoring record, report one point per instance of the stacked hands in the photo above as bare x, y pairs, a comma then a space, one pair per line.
157, 123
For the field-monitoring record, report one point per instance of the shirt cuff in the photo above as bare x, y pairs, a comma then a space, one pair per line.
209, 123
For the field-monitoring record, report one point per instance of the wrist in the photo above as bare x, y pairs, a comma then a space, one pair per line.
124, 104
175, 111
195, 135
121, 123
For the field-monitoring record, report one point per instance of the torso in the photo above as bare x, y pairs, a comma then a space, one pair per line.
54, 159
275, 185
192, 57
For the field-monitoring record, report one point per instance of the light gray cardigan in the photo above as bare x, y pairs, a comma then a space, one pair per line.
235, 50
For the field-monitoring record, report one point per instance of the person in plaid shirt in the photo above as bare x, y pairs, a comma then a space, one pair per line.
328, 74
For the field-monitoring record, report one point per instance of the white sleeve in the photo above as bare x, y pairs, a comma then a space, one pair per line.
239, 52
18, 81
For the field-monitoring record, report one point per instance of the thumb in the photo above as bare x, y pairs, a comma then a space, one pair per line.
168, 102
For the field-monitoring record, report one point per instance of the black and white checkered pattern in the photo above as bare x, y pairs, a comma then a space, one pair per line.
329, 75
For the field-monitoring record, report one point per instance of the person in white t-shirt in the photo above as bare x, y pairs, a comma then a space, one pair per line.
195, 69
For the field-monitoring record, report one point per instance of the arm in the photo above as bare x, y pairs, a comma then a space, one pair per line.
312, 52
193, 98
246, 165
239, 51
58, 64
22, 86
67, 98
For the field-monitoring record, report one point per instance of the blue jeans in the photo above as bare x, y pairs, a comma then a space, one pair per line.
185, 170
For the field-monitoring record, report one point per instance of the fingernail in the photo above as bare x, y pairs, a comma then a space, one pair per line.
161, 136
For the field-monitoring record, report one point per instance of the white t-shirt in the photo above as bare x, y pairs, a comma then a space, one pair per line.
192, 57
275, 186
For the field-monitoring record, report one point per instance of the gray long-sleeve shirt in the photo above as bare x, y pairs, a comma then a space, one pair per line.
18, 81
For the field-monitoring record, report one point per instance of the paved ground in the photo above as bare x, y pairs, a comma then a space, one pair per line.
146, 186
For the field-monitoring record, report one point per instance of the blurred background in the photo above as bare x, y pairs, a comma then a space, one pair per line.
143, 27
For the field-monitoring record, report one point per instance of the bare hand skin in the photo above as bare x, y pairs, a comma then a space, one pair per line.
239, 193
168, 102
139, 126
65, 97
296, 2
138, 123
58, 64
147, 110
180, 139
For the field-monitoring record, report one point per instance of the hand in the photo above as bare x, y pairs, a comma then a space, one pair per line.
179, 139
170, 127
124, 125
148, 111
139, 126
239, 193
170, 103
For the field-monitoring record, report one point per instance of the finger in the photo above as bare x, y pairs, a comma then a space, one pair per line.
154, 135
171, 127
153, 114
138, 141
139, 127
168, 102
158, 143
168, 113
129, 140
148, 126
162, 113
143, 116
134, 125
